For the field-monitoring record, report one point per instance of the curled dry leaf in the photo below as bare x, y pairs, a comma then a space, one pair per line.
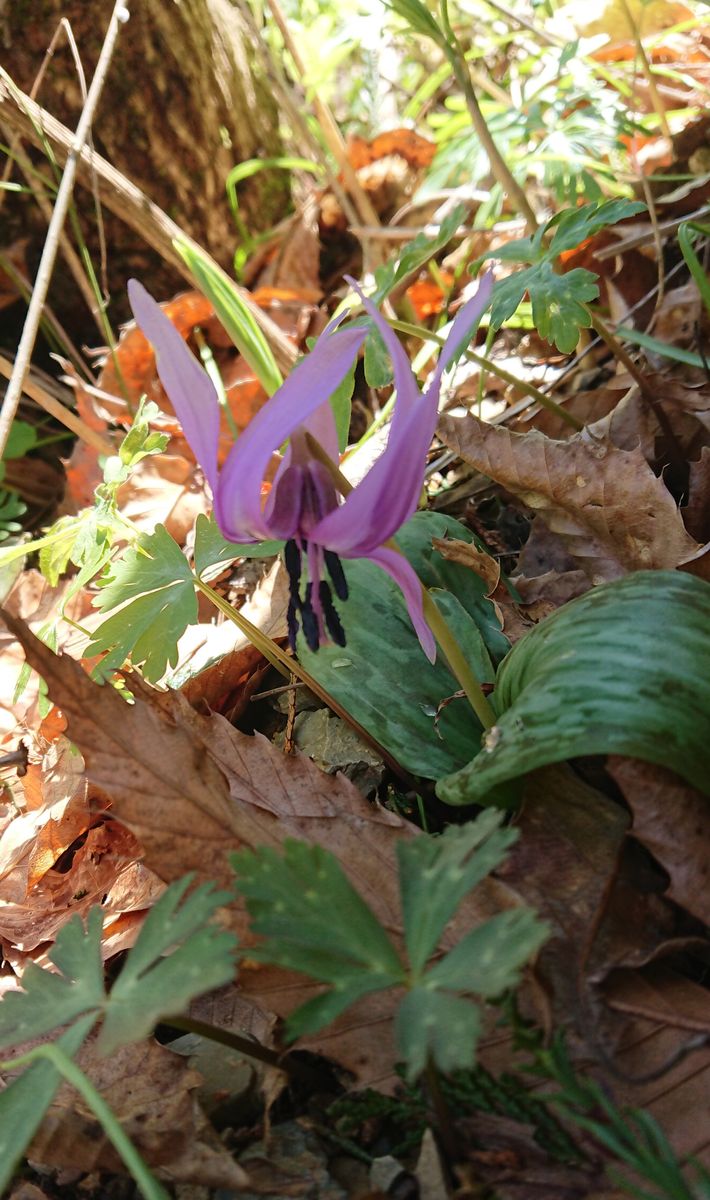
608, 507
697, 510
672, 819
468, 555
192, 788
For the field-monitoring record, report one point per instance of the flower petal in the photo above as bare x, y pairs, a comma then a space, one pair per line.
238, 497
404, 575
389, 493
463, 328
189, 387
405, 384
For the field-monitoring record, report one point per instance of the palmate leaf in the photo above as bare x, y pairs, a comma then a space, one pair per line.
624, 669
149, 986
557, 301
50, 999
179, 955
153, 585
416, 253
150, 596
488, 960
315, 922
436, 873
440, 1027
573, 226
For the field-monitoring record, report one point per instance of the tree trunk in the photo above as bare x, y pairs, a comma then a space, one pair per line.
182, 105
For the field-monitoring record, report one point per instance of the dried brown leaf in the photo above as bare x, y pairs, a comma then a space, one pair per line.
192, 788
152, 1093
672, 820
611, 511
467, 555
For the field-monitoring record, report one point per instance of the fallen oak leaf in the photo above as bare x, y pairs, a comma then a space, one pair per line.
192, 788
613, 514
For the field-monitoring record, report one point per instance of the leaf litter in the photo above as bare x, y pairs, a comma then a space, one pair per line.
614, 859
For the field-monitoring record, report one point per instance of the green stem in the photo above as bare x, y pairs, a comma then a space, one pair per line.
456, 658
148, 1185
288, 667
499, 166
442, 1114
292, 1067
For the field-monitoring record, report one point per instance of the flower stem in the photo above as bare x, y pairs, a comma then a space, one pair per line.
491, 365
456, 658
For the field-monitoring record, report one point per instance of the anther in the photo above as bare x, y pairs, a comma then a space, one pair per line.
292, 623
309, 621
337, 575
292, 559
332, 620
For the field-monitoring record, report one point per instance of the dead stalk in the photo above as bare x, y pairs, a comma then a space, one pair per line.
59, 411
51, 246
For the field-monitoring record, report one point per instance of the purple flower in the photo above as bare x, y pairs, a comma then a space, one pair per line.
303, 506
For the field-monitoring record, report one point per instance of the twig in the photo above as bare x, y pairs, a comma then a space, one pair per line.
123, 198
59, 411
642, 239
499, 166
620, 352
51, 246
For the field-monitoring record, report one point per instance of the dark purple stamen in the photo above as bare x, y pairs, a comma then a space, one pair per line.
309, 620
332, 620
292, 559
334, 568
303, 609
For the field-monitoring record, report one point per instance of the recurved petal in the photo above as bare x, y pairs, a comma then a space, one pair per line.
404, 575
238, 500
463, 329
389, 493
405, 384
190, 389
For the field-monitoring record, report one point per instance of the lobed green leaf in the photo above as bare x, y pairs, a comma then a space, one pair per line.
435, 874
439, 1027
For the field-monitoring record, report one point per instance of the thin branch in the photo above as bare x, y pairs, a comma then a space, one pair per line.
39, 192
51, 246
